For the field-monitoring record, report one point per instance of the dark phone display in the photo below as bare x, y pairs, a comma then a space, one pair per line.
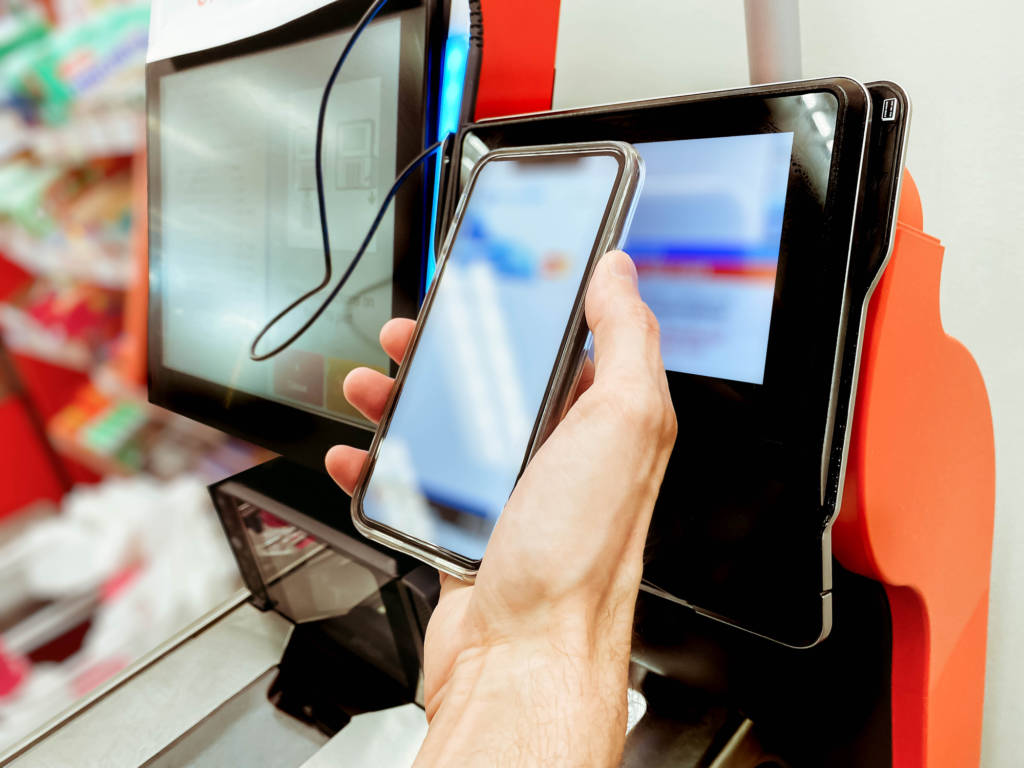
460, 429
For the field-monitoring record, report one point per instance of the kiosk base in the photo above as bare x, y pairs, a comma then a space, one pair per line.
318, 663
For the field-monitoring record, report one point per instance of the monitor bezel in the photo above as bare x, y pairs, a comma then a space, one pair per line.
299, 434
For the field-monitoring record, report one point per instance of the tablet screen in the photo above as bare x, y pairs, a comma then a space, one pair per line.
705, 239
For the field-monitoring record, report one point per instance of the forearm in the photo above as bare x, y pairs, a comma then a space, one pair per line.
530, 704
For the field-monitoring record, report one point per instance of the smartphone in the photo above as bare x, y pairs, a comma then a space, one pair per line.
498, 347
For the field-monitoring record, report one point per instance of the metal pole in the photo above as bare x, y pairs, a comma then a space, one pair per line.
773, 40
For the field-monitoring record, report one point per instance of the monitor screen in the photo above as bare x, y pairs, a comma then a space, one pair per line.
235, 232
705, 238
241, 226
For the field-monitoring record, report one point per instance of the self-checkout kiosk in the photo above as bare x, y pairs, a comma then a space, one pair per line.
317, 660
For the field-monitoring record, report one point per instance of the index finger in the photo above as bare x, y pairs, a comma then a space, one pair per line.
395, 335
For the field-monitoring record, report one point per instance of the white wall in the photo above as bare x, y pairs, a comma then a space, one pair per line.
963, 66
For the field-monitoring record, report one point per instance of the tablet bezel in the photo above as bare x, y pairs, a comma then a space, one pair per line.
885, 155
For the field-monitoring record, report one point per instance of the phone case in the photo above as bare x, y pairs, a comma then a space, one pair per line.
568, 364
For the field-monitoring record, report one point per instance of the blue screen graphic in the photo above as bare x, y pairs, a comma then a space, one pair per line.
705, 239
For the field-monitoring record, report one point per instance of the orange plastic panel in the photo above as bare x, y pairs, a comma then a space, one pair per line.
918, 508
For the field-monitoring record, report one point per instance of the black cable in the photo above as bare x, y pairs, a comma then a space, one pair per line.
406, 172
473, 58
467, 113
366, 18
472, 77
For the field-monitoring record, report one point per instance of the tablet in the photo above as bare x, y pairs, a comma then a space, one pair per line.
742, 240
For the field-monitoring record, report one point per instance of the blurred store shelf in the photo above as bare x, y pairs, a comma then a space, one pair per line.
103, 263
110, 133
49, 623
124, 549
26, 336
116, 131
116, 432
14, 135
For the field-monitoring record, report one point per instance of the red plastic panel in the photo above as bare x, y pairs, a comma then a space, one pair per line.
918, 509
517, 73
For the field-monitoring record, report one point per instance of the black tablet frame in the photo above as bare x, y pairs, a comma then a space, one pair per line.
302, 435
778, 581
874, 236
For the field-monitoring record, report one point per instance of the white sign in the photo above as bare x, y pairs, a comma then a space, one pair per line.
177, 27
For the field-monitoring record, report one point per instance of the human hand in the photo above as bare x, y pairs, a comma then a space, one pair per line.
528, 665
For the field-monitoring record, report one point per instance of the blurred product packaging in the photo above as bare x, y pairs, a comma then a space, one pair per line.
122, 567
108, 540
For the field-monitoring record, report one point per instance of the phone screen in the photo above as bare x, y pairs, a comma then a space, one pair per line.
461, 427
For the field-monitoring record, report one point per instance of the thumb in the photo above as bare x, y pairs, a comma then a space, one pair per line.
626, 336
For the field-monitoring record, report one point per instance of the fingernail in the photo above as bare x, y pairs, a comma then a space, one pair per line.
623, 266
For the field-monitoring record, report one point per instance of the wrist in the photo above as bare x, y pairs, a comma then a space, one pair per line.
529, 702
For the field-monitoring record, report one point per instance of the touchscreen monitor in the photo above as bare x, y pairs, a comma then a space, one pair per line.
235, 231
240, 225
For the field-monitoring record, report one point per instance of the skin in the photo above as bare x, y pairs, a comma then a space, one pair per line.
528, 665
